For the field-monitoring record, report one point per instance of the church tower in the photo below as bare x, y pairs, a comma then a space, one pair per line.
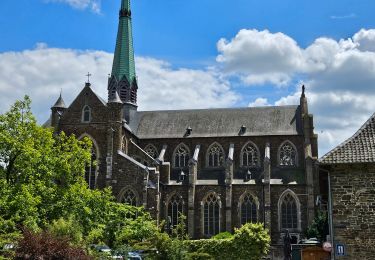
123, 79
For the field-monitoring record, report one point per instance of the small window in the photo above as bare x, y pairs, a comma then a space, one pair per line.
90, 171
151, 151
250, 155
175, 209
181, 156
129, 198
287, 155
86, 114
215, 156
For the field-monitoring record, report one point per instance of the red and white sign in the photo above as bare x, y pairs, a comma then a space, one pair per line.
327, 246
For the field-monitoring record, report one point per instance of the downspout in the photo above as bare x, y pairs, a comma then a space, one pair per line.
330, 218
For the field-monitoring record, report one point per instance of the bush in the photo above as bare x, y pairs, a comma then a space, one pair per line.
250, 242
44, 245
223, 235
198, 256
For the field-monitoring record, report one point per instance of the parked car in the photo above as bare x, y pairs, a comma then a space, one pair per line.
106, 250
134, 256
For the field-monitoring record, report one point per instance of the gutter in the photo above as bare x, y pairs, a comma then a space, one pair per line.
330, 217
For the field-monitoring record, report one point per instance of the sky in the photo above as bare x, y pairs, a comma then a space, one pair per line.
199, 54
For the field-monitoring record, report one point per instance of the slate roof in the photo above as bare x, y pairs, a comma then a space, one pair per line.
259, 121
360, 148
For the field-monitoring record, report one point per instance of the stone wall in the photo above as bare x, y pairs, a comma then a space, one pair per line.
353, 194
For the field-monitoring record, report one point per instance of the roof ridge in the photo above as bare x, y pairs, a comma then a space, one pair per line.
218, 108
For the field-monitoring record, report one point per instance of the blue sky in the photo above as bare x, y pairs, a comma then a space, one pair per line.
234, 53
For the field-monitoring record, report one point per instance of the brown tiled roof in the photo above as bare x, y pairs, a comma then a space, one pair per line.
360, 148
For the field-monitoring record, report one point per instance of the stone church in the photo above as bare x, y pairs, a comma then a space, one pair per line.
220, 168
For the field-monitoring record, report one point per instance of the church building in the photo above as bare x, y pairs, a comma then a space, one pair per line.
220, 168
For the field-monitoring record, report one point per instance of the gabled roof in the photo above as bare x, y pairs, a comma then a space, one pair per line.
360, 148
259, 121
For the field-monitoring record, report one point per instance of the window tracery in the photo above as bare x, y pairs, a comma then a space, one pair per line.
129, 198
250, 155
181, 156
289, 214
287, 155
175, 209
211, 217
248, 209
151, 151
215, 156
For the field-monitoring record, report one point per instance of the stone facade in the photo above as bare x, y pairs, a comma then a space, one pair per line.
234, 165
353, 197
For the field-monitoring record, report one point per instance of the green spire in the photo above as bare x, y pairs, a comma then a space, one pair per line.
123, 62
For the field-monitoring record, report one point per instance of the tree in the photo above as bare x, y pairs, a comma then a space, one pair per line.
42, 187
319, 228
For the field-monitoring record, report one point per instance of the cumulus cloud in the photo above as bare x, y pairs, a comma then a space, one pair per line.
259, 102
93, 5
43, 72
339, 75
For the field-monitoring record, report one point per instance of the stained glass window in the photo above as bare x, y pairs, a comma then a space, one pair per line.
151, 150
129, 198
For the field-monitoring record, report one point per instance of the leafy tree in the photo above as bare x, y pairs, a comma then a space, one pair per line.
42, 186
319, 228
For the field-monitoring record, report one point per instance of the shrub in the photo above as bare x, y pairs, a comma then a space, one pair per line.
198, 256
250, 242
223, 235
44, 245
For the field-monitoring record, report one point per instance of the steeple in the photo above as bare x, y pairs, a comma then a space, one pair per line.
123, 78
123, 62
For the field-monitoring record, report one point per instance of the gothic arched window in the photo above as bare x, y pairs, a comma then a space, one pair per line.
248, 209
289, 212
250, 155
124, 92
211, 215
86, 114
175, 209
129, 197
215, 155
287, 154
90, 170
151, 151
181, 156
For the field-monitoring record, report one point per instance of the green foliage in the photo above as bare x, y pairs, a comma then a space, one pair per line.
42, 187
66, 229
198, 256
319, 228
251, 242
223, 235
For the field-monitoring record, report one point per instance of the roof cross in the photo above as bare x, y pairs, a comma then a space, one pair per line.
88, 77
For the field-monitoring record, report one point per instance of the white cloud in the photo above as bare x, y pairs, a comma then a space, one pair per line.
340, 17
43, 72
260, 56
93, 5
365, 39
162, 87
259, 102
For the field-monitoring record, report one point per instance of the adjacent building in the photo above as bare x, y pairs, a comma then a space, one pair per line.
351, 167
